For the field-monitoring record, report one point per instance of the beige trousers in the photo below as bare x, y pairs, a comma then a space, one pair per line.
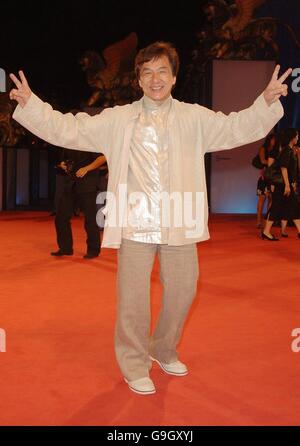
179, 274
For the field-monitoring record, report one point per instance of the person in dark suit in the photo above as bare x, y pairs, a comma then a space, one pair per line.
79, 184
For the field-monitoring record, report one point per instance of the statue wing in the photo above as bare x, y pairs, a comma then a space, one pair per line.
245, 10
119, 57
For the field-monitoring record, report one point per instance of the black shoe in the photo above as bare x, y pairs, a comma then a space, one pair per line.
284, 235
61, 253
271, 239
90, 255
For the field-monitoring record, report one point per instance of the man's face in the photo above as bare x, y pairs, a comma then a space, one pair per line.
156, 78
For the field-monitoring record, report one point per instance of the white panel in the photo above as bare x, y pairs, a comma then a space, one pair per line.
1, 178
10, 175
43, 186
236, 84
22, 180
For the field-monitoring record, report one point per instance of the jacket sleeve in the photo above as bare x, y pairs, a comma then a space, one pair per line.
79, 132
221, 132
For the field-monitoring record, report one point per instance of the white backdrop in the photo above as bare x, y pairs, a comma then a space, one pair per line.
1, 179
236, 84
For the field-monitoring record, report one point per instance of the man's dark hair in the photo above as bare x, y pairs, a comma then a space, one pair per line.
154, 51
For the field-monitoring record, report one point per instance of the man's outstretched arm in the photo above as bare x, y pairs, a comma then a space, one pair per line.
79, 132
221, 132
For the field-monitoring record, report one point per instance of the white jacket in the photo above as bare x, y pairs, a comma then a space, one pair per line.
193, 130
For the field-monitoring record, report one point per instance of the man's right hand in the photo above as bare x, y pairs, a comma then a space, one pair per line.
22, 93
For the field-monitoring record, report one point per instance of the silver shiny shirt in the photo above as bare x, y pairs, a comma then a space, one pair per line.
148, 174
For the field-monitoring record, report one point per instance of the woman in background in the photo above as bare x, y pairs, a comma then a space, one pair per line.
262, 190
285, 203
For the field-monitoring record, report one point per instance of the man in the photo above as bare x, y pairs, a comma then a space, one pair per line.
78, 184
153, 146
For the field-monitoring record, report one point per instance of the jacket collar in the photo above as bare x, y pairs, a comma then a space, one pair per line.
138, 105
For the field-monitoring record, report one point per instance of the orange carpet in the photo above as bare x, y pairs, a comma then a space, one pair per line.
58, 314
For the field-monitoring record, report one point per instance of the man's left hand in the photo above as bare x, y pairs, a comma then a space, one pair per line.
276, 87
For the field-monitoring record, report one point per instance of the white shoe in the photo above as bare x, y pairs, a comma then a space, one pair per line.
143, 386
176, 368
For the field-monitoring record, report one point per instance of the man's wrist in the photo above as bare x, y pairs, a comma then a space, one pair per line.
268, 101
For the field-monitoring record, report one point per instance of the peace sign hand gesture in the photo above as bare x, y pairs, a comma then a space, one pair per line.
22, 93
276, 87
